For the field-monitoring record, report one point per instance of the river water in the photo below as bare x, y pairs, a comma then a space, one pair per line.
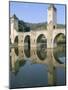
30, 69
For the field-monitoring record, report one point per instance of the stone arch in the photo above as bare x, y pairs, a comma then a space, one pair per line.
61, 36
56, 33
42, 38
27, 45
41, 46
16, 40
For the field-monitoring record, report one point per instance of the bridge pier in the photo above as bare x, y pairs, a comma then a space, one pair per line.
33, 43
49, 42
21, 45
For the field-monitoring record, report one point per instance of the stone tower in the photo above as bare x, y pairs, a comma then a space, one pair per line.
51, 24
13, 27
52, 17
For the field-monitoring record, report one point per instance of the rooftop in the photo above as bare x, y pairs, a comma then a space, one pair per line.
52, 6
14, 16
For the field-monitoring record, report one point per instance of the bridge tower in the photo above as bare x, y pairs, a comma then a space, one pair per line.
51, 24
52, 17
13, 28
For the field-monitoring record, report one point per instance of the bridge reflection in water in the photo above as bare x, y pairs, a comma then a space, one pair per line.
37, 66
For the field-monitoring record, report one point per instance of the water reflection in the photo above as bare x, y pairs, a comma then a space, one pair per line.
41, 47
39, 69
60, 53
60, 49
27, 45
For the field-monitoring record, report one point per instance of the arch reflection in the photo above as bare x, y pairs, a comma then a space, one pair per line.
16, 62
19, 61
16, 44
60, 51
27, 46
16, 40
41, 47
16, 50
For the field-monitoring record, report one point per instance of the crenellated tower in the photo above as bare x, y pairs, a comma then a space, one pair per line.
52, 17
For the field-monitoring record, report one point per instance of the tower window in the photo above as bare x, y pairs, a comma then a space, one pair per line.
54, 27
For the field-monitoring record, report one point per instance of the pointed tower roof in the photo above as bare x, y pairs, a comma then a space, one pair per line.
14, 16
52, 6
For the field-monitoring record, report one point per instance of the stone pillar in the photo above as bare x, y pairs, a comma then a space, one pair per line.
21, 46
49, 41
50, 36
33, 43
21, 39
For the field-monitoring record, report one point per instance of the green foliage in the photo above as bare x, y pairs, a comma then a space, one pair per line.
37, 26
60, 26
21, 26
26, 29
25, 26
60, 39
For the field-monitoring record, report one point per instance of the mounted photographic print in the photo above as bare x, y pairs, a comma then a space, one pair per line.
37, 44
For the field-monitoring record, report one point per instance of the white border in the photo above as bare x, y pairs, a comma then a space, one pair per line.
4, 45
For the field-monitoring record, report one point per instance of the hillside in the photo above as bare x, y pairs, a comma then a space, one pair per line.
37, 26
24, 26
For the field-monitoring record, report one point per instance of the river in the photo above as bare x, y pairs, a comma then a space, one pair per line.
32, 71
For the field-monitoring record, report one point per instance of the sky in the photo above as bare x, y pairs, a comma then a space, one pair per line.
35, 12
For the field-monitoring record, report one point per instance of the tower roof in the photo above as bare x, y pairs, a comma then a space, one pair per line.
14, 16
52, 6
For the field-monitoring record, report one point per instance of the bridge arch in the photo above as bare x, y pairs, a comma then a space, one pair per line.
59, 38
16, 40
41, 43
56, 33
27, 45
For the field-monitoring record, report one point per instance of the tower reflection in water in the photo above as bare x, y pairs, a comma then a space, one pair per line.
37, 67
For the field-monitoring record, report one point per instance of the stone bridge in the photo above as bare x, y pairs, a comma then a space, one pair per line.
33, 35
50, 33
